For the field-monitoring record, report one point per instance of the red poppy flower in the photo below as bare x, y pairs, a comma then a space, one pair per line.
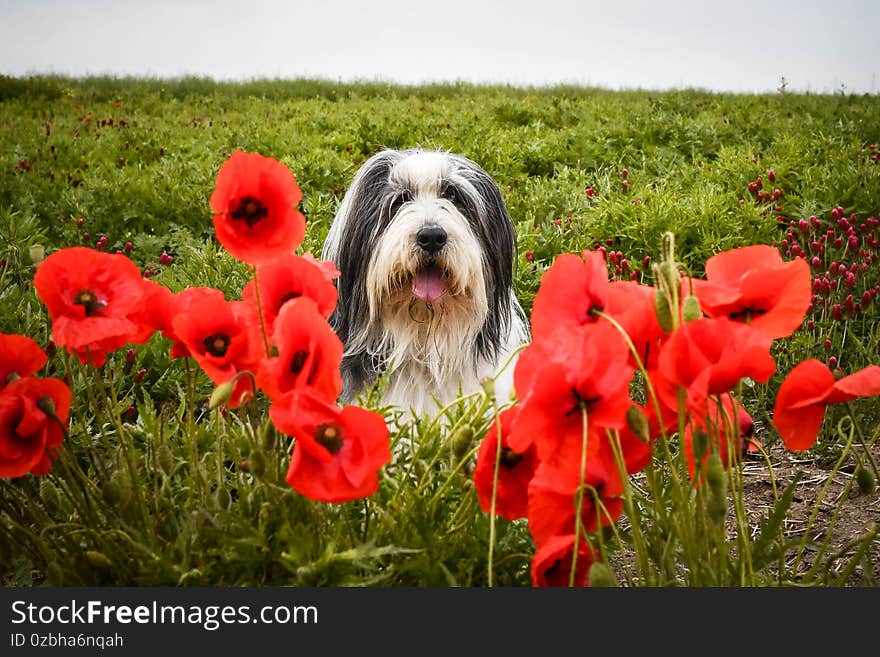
555, 380
719, 431
155, 312
309, 354
326, 266
753, 284
552, 492
92, 298
254, 203
20, 356
514, 473
337, 453
551, 564
289, 278
709, 357
807, 390
181, 305
223, 337
632, 306
570, 290
29, 435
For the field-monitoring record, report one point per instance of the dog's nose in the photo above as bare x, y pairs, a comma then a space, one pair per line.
431, 238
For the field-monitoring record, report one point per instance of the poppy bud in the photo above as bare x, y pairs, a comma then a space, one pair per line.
165, 459
691, 309
111, 492
865, 480
120, 480
221, 395
715, 474
49, 494
488, 384
258, 463
222, 497
268, 439
461, 440
37, 252
98, 559
54, 574
601, 575
700, 443
638, 423
664, 314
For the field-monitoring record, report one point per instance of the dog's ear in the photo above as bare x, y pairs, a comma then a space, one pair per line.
494, 228
351, 240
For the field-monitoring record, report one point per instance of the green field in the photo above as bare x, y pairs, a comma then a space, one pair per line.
136, 160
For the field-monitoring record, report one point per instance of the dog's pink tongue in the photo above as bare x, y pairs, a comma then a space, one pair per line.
428, 285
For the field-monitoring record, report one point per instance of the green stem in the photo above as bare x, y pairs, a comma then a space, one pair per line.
579, 497
494, 497
260, 313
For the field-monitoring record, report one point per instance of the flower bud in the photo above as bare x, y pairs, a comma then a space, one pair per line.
54, 574
715, 474
664, 314
165, 459
49, 494
111, 492
98, 559
121, 484
258, 463
268, 439
462, 439
691, 309
37, 252
638, 423
601, 575
700, 443
488, 384
222, 497
221, 395
865, 479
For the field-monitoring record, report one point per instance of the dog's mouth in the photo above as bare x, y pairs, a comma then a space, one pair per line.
429, 283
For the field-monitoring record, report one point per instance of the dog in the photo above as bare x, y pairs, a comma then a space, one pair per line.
426, 251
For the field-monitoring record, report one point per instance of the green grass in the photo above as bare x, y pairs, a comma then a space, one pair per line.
136, 160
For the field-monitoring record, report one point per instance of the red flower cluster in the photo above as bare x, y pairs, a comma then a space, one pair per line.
276, 338
33, 411
576, 432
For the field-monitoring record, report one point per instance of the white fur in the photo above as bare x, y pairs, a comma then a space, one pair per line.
429, 350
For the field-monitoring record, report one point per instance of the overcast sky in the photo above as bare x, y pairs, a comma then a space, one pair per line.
738, 45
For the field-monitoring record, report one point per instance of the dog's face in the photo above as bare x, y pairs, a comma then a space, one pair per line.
425, 247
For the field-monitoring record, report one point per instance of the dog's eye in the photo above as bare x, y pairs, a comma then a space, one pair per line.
450, 194
398, 202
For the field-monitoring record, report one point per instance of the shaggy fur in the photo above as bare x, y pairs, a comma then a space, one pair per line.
432, 349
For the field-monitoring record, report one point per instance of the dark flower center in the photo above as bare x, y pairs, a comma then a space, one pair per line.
288, 297
509, 458
250, 210
298, 360
329, 437
592, 314
88, 300
746, 314
217, 344
581, 402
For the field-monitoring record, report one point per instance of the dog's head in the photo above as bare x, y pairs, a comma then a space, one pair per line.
426, 250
